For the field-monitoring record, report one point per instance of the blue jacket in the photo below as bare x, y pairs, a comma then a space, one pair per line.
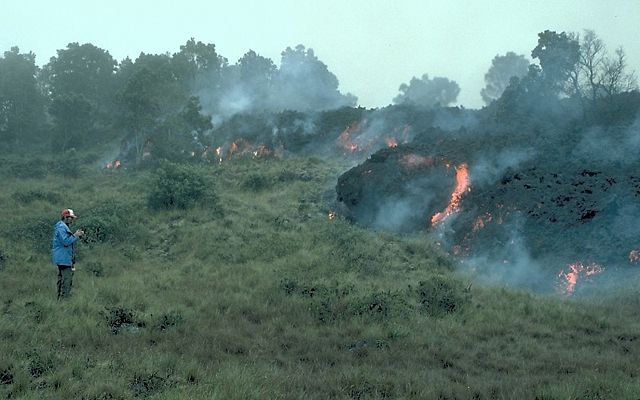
62, 246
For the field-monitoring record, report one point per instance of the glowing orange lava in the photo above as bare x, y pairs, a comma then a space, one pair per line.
569, 279
462, 186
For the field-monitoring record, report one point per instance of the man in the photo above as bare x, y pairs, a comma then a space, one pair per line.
64, 252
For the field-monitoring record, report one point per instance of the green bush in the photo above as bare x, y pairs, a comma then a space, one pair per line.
382, 305
29, 168
106, 222
98, 229
69, 166
34, 195
35, 231
3, 259
179, 186
122, 319
256, 182
442, 295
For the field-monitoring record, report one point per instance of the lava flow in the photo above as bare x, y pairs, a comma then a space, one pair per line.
462, 186
569, 279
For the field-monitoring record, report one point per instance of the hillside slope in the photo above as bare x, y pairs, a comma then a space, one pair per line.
252, 292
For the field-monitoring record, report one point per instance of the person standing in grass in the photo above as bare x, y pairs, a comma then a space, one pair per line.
63, 251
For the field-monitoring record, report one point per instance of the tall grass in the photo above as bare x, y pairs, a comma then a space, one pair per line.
254, 293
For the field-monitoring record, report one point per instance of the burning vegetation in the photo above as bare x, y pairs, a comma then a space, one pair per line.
550, 195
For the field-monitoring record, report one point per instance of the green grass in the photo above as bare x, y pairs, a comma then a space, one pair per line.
255, 294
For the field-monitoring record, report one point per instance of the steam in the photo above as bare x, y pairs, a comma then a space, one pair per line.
395, 213
254, 85
611, 145
487, 170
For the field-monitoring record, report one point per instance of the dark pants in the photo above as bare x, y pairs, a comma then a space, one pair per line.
65, 280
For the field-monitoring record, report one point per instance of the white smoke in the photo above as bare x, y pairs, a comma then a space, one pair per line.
488, 170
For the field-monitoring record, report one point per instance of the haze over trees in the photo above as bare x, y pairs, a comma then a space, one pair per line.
22, 113
436, 92
83, 96
502, 69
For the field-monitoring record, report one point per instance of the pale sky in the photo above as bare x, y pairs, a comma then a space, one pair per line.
372, 46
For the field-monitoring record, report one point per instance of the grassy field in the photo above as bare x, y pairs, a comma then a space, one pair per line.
252, 292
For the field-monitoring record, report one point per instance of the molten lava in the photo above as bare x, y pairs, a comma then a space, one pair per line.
462, 187
569, 279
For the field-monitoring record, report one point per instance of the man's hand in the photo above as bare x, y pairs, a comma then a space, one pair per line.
79, 233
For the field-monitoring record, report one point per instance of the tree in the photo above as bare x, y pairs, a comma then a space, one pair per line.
436, 92
21, 102
82, 76
198, 64
256, 75
246, 86
199, 67
141, 108
84, 70
558, 54
156, 105
304, 83
73, 115
502, 69
615, 78
597, 75
587, 77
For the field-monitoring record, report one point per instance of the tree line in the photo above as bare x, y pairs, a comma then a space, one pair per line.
84, 96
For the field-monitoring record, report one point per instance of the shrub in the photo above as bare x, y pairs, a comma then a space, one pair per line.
120, 319
105, 223
441, 295
169, 320
97, 229
69, 166
3, 259
381, 305
30, 168
33, 195
179, 186
144, 385
36, 231
6, 376
256, 182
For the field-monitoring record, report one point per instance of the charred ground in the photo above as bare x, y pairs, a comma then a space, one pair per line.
562, 190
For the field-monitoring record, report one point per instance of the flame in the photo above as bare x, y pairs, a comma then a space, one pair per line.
462, 186
233, 148
391, 142
569, 278
115, 164
634, 256
261, 151
242, 147
345, 138
482, 221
